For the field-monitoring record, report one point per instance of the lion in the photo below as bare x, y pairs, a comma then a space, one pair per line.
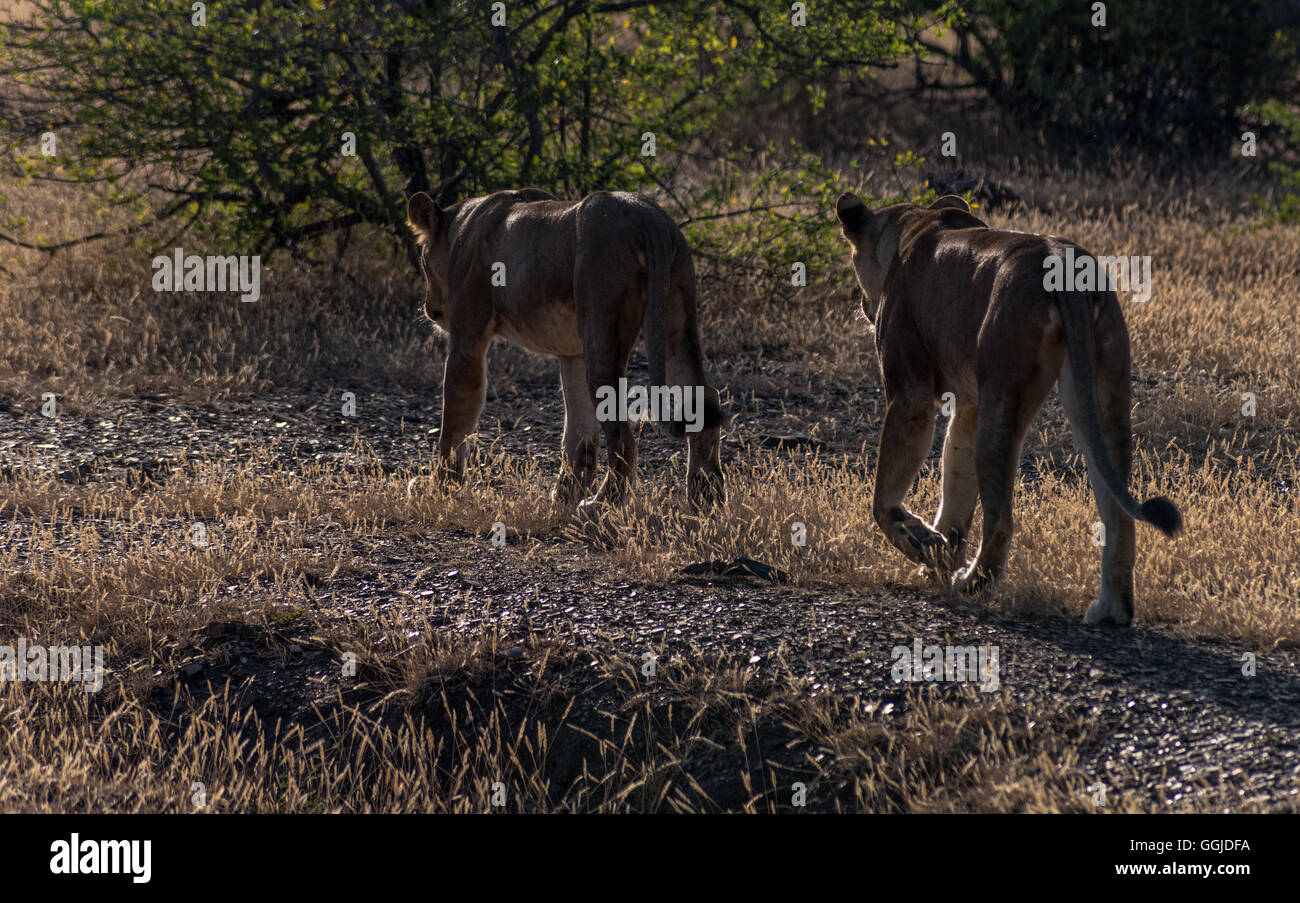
961, 308
575, 280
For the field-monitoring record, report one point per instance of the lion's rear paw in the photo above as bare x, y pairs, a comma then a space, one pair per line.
941, 577
1102, 615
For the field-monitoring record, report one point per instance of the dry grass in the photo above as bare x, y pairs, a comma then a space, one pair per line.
639, 747
112, 563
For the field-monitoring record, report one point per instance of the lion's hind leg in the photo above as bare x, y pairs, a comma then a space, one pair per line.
610, 321
1114, 603
705, 485
1006, 409
960, 488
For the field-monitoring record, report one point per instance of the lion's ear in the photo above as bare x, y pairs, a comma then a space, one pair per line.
423, 215
852, 213
951, 200
887, 228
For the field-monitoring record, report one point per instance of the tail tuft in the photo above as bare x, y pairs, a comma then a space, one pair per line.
1163, 515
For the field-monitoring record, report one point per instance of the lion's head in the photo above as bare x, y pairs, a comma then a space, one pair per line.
430, 227
874, 237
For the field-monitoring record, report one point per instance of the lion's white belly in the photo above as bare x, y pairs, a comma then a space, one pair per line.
549, 329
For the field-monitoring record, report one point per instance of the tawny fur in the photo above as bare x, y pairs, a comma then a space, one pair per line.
960, 308
581, 279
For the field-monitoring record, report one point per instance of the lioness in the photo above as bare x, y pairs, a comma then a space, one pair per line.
575, 280
959, 307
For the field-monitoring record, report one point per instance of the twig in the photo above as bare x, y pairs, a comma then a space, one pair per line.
700, 219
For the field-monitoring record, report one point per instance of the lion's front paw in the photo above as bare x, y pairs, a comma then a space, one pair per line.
970, 580
429, 485
929, 547
449, 474
567, 492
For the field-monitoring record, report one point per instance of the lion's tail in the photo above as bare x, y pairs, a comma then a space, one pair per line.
1076, 321
661, 248
658, 280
